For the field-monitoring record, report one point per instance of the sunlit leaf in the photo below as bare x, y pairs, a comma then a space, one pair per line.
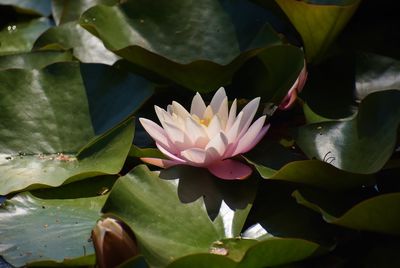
33, 60
318, 24
19, 37
86, 47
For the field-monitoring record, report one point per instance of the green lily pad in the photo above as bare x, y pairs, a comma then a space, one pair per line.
19, 37
318, 24
86, 47
362, 144
35, 229
36, 7
33, 60
376, 73
41, 144
316, 173
378, 214
166, 217
200, 47
66, 11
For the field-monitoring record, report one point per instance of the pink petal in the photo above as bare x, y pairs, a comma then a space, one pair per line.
297, 87
233, 132
198, 106
163, 163
169, 154
214, 127
230, 170
250, 135
195, 156
179, 110
177, 136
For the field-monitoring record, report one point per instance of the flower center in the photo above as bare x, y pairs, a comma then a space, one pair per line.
205, 121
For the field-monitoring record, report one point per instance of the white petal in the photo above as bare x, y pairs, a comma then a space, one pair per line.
232, 115
196, 133
249, 136
217, 100
219, 143
223, 112
177, 136
163, 116
195, 156
248, 114
214, 127
179, 110
233, 132
198, 106
157, 133
208, 113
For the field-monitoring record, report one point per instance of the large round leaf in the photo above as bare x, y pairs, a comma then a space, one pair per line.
378, 214
35, 229
362, 144
196, 44
39, 143
20, 37
318, 24
86, 47
166, 215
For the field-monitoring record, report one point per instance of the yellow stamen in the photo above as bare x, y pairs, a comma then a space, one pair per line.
205, 121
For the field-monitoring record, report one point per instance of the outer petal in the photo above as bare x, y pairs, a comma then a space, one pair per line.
249, 136
179, 110
230, 170
157, 133
198, 106
257, 139
170, 155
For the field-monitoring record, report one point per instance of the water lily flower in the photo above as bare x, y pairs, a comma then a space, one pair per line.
207, 136
297, 87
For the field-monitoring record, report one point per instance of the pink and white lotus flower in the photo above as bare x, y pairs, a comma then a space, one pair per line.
207, 136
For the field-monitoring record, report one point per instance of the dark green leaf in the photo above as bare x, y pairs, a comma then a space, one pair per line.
362, 144
34, 230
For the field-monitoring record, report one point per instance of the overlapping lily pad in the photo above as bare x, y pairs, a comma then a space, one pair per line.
40, 142
33, 60
36, 7
378, 214
71, 36
146, 202
198, 45
48, 231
